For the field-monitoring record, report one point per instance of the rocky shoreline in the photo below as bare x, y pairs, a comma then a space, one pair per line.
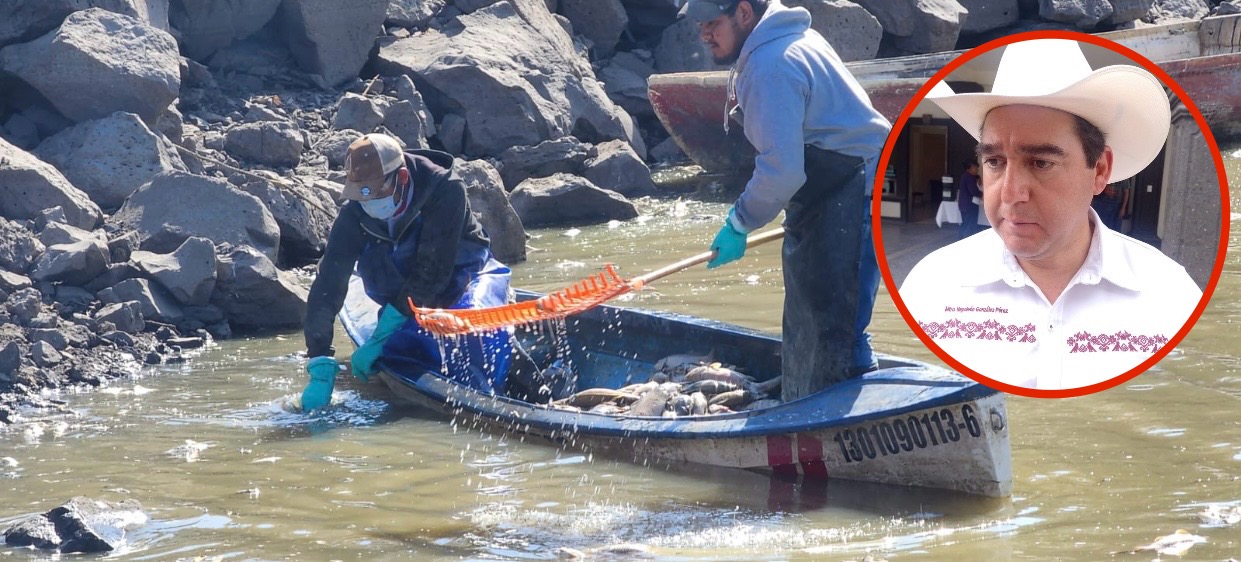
168, 167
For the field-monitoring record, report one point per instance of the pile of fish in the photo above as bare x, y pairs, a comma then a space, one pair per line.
682, 385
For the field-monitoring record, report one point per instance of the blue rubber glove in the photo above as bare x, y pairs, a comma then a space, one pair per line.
729, 243
318, 392
364, 357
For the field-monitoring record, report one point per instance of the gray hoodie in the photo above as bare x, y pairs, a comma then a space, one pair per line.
794, 90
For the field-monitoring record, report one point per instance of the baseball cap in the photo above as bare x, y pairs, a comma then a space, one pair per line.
367, 162
707, 10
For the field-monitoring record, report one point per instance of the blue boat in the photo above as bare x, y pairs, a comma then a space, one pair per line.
908, 423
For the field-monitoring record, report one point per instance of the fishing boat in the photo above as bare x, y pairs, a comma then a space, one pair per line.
908, 423
1204, 57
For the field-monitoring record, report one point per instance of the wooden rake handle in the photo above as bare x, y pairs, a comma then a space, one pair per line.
642, 280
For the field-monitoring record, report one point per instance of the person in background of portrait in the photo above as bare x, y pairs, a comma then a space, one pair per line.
1112, 203
1050, 297
968, 196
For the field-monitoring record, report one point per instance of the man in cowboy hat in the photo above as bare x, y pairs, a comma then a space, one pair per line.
1050, 298
409, 231
818, 140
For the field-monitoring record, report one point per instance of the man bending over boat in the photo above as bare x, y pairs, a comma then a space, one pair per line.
818, 140
410, 233
1050, 297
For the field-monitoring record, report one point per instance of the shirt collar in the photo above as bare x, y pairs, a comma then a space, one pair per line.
1104, 260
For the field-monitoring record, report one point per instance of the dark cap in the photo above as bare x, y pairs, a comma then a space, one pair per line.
707, 10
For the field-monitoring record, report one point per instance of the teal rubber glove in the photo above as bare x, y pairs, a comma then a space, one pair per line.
729, 243
318, 392
364, 358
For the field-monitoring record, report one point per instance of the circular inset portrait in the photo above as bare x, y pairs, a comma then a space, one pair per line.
1052, 214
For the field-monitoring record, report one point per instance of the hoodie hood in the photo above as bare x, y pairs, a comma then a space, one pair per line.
777, 22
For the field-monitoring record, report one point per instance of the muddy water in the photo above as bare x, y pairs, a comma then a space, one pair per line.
227, 473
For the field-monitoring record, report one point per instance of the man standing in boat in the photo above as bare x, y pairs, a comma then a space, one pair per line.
1050, 297
818, 141
410, 233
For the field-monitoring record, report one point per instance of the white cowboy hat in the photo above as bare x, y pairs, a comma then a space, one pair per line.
1126, 102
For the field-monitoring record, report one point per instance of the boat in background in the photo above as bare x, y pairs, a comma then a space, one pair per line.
908, 423
1204, 57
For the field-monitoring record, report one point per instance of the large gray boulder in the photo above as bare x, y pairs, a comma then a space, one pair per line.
110, 158
356, 112
489, 200
413, 13
851, 30
254, 294
624, 79
176, 206
412, 126
617, 167
188, 273
681, 50
207, 26
1129, 10
1167, 11
19, 248
986, 15
919, 26
29, 185
330, 38
73, 256
511, 72
271, 143
304, 215
81, 525
601, 21
568, 199
519, 163
153, 299
27, 19
1085, 14
99, 62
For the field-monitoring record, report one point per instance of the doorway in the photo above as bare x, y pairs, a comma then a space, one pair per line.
928, 164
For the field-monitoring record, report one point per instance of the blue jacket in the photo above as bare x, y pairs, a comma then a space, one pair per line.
793, 90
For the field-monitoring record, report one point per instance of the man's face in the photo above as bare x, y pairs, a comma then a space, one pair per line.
724, 35
1036, 184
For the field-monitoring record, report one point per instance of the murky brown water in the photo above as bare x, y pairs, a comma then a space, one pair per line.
226, 473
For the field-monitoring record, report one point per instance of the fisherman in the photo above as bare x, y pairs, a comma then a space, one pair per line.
1050, 297
409, 230
818, 141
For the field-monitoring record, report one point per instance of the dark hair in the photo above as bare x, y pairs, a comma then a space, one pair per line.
759, 6
1092, 139
968, 163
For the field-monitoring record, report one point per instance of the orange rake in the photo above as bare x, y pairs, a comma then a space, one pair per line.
581, 296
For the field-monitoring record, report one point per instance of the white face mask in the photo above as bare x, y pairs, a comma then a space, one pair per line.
382, 208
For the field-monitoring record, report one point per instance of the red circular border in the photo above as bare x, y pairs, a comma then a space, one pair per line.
877, 219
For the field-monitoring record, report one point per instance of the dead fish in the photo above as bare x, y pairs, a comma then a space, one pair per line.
565, 407
762, 404
672, 362
732, 398
718, 409
770, 385
1175, 544
700, 403
655, 401
595, 396
659, 377
682, 405
716, 371
626, 551
1219, 515
640, 388
709, 387
570, 553
607, 409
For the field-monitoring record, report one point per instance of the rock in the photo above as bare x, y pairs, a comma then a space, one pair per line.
513, 73
21, 131
29, 185
206, 26
73, 255
188, 273
1084, 14
254, 294
489, 200
98, 63
11, 282
260, 113
618, 168
110, 158
413, 13
19, 248
408, 124
207, 314
851, 30
330, 38
626, 88
44, 355
1168, 11
115, 273
680, 50
405, 90
919, 26
451, 133
52, 337
358, 113
549, 157
601, 21
277, 144
24, 305
564, 199
79, 336
123, 246
334, 145
153, 299
125, 316
10, 357
175, 206
81, 525
27, 19
304, 226
986, 15
667, 151
74, 298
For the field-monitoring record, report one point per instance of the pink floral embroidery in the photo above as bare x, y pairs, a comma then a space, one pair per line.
954, 328
1085, 342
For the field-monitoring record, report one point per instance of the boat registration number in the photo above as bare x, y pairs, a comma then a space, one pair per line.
902, 435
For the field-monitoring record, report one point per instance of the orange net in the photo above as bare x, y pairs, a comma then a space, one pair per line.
581, 296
